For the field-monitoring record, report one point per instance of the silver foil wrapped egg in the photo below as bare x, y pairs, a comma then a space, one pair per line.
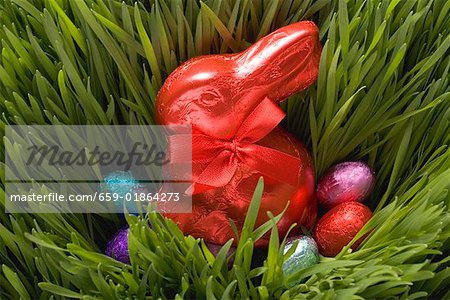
305, 254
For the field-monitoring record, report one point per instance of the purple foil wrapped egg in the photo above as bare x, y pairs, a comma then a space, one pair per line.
214, 248
117, 247
345, 182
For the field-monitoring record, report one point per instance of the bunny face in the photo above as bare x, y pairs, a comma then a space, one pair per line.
209, 91
216, 94
203, 93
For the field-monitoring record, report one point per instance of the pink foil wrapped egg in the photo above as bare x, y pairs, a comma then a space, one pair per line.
345, 182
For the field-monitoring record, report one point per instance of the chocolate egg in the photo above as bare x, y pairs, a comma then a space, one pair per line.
305, 254
345, 182
214, 248
339, 226
117, 247
122, 187
120, 182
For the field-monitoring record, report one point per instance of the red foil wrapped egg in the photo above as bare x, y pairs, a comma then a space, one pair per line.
339, 226
345, 182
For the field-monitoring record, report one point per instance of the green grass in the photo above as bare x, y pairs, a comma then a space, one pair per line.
382, 96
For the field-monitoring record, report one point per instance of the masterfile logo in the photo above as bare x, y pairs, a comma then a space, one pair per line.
100, 169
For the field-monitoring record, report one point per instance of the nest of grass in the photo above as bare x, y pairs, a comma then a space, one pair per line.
382, 96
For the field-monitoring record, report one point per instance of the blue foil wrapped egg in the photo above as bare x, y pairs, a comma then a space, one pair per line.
122, 187
305, 254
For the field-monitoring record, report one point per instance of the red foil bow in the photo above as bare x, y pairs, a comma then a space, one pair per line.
222, 156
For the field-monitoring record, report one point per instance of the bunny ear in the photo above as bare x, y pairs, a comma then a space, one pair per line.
284, 62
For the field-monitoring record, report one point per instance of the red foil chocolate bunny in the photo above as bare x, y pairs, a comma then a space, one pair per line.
231, 102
